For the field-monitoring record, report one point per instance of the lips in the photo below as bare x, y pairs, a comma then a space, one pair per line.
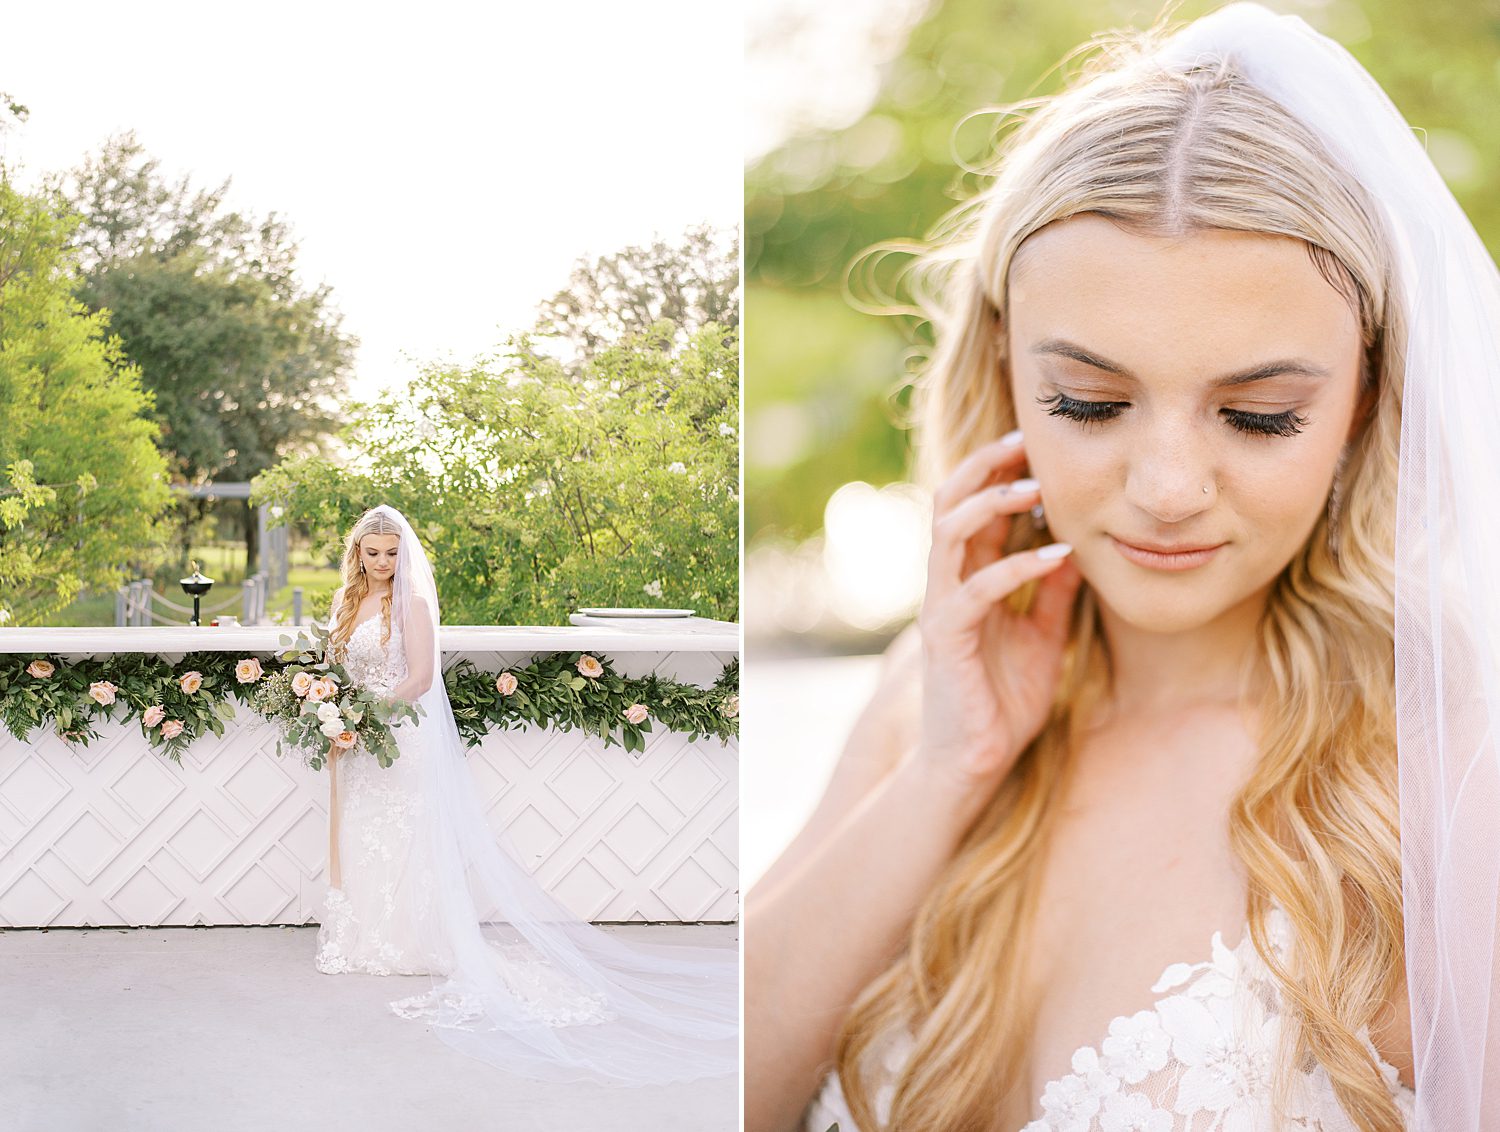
1178, 548
1181, 556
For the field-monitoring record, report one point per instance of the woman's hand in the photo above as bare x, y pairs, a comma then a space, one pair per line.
989, 675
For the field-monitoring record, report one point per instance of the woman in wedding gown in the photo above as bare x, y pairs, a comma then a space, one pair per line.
426, 888
1117, 843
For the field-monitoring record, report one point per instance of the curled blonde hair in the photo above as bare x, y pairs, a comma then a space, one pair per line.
356, 587
1164, 152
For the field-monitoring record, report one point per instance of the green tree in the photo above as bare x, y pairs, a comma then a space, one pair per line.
538, 491
690, 284
84, 485
246, 364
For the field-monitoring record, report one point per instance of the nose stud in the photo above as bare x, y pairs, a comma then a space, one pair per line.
1205, 489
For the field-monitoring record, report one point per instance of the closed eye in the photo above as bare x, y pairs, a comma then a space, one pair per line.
1285, 423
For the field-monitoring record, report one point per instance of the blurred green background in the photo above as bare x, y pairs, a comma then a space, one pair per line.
825, 383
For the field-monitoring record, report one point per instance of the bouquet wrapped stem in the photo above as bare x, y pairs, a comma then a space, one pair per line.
316, 703
335, 877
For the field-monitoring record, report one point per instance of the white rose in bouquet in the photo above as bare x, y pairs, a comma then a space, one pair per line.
332, 728
328, 711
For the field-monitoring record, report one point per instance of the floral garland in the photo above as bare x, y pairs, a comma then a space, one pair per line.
178, 703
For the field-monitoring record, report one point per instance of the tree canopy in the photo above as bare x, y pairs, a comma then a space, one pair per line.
246, 364
84, 485
537, 490
690, 283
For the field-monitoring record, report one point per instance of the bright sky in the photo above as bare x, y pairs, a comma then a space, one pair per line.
443, 165
811, 64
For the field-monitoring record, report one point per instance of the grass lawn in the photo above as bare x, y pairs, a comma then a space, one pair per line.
225, 563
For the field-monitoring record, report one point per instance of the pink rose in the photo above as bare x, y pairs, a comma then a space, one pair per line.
322, 688
248, 671
153, 715
171, 729
102, 691
345, 739
589, 666
637, 713
41, 669
505, 684
190, 682
302, 683
730, 707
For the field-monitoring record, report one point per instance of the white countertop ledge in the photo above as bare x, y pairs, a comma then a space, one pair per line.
681, 634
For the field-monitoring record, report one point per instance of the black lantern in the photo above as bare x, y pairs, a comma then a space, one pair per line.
197, 585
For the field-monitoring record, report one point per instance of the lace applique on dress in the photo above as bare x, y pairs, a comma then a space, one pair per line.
1200, 1060
372, 924
540, 992
378, 921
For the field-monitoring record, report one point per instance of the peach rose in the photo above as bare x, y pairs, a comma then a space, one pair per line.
345, 739
590, 666
154, 715
505, 683
637, 713
301, 683
171, 728
190, 682
102, 691
248, 671
41, 669
730, 707
322, 688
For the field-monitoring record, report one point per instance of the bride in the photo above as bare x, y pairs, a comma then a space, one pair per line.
516, 979
1122, 841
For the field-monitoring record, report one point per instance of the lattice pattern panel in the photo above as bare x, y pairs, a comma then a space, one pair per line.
114, 834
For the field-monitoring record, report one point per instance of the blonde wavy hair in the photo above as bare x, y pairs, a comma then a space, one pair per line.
1316, 826
348, 598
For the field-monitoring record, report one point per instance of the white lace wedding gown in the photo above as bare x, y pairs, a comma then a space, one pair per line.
380, 922
1200, 1060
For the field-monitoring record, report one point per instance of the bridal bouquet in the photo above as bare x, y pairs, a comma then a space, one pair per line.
319, 707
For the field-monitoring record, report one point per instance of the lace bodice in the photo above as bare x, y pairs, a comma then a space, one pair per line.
373, 925
370, 664
1200, 1060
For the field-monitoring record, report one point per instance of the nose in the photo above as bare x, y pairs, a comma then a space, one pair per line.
1169, 470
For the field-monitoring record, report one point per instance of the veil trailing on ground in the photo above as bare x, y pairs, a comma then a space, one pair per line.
611, 1010
1447, 546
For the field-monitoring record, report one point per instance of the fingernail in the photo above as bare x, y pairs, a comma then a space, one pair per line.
1011, 438
1054, 550
1019, 486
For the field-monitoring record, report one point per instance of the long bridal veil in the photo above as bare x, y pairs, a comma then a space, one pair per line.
531, 988
1447, 549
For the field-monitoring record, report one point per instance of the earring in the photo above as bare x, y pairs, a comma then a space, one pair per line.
1205, 489
1038, 517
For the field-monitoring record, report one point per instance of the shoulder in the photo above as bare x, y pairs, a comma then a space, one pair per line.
1390, 1034
420, 610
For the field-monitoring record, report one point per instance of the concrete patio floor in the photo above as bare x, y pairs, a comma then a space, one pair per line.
229, 1029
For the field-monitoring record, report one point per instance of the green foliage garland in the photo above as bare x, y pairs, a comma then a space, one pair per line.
552, 690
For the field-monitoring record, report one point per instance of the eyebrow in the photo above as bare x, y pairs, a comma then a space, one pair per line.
1299, 366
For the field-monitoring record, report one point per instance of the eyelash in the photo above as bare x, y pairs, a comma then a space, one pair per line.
1286, 423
